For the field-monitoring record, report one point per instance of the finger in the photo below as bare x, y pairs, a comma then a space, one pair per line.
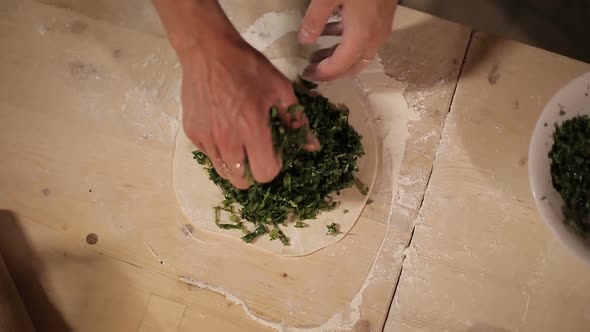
213, 153
333, 29
236, 171
344, 56
233, 159
292, 116
316, 17
295, 118
360, 65
313, 144
356, 41
256, 132
319, 55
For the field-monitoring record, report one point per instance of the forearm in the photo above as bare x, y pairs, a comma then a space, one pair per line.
194, 23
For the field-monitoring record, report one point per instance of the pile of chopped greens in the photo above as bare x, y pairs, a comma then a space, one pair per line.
570, 170
302, 189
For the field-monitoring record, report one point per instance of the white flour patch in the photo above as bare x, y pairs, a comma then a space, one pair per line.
271, 27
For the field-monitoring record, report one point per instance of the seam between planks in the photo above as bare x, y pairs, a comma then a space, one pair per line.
465, 53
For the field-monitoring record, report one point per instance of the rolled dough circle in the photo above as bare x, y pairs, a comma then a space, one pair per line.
197, 195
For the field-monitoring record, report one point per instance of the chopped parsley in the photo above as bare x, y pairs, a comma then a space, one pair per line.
302, 189
333, 229
570, 170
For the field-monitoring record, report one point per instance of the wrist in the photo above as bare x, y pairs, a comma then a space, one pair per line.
195, 24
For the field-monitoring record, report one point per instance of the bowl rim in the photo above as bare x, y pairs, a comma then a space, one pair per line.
577, 245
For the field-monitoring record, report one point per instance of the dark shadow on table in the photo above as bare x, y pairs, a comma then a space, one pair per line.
26, 269
418, 55
555, 25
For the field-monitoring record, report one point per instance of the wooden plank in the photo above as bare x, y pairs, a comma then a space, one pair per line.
481, 258
162, 314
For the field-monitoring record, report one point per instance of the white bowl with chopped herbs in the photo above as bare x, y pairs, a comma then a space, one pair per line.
559, 165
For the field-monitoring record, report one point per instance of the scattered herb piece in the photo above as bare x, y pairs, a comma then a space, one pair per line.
361, 186
345, 211
570, 170
250, 237
239, 225
561, 112
301, 224
234, 218
276, 233
307, 179
369, 201
217, 214
333, 229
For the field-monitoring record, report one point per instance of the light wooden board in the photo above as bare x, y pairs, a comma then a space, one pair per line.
481, 259
88, 114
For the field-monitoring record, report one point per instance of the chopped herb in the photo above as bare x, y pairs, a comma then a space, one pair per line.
561, 112
239, 225
296, 109
307, 84
217, 214
248, 174
361, 186
333, 229
250, 237
570, 170
234, 218
200, 157
301, 224
345, 211
274, 112
276, 233
302, 188
369, 201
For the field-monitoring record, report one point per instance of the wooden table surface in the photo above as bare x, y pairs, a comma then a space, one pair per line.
88, 113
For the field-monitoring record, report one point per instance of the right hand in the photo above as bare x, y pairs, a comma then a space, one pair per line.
228, 90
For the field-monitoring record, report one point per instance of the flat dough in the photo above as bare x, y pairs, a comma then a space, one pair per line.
197, 195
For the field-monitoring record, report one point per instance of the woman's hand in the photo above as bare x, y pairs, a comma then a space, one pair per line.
227, 92
365, 26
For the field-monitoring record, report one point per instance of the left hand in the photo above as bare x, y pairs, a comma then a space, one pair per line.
365, 26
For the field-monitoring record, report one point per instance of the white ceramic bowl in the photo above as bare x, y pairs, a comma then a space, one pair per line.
573, 99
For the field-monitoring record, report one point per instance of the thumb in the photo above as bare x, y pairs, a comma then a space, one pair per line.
315, 19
